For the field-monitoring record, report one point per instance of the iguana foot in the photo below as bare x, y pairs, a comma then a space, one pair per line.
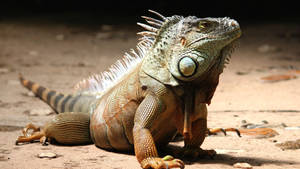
197, 152
30, 134
218, 130
162, 163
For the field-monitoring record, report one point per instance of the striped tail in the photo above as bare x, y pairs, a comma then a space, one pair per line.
59, 102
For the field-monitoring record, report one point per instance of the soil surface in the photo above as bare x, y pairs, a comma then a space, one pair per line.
58, 55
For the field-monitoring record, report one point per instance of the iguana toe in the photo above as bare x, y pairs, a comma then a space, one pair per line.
162, 163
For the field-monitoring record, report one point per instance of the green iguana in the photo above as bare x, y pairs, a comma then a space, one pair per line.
149, 96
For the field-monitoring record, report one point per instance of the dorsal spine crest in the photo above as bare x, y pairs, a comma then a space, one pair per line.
99, 83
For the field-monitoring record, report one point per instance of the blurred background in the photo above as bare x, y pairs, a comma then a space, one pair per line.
123, 12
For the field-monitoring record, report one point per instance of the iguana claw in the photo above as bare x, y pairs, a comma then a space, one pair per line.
162, 163
217, 130
36, 134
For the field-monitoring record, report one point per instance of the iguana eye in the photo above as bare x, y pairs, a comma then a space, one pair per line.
203, 24
187, 66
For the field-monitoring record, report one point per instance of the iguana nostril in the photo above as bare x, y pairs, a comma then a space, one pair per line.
187, 66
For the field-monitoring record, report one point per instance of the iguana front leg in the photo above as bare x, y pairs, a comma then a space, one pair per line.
144, 146
192, 146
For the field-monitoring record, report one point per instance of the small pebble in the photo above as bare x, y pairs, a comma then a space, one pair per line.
47, 155
292, 128
241, 73
106, 27
60, 37
30, 94
38, 112
4, 70
289, 145
225, 151
242, 165
83, 64
33, 53
266, 48
284, 125
103, 35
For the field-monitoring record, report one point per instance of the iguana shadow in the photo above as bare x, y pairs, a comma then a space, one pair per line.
228, 159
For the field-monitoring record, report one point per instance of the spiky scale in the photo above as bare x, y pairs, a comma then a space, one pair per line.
147, 33
152, 19
158, 14
147, 27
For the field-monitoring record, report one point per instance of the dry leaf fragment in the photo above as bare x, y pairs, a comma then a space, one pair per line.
277, 78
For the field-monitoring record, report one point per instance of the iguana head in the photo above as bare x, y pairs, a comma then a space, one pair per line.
185, 48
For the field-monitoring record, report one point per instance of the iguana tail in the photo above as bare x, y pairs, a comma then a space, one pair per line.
60, 102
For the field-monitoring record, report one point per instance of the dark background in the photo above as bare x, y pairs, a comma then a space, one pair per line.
119, 12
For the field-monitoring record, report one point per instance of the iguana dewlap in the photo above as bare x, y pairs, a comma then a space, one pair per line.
149, 95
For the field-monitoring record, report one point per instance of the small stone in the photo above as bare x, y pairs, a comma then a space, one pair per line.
60, 37
106, 27
3, 158
228, 151
4, 70
47, 155
26, 112
82, 64
30, 94
292, 128
241, 73
33, 53
266, 48
242, 165
254, 126
289, 145
38, 112
103, 35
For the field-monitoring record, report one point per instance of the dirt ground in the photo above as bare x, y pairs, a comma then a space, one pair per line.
58, 55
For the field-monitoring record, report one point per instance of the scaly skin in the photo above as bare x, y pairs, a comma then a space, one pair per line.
163, 94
